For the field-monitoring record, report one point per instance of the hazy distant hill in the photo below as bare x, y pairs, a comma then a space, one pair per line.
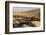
30, 13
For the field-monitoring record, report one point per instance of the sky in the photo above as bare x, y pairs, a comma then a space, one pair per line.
22, 8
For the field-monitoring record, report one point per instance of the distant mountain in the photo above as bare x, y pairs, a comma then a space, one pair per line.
30, 13
34, 10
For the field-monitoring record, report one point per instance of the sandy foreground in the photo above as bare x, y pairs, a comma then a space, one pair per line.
37, 23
